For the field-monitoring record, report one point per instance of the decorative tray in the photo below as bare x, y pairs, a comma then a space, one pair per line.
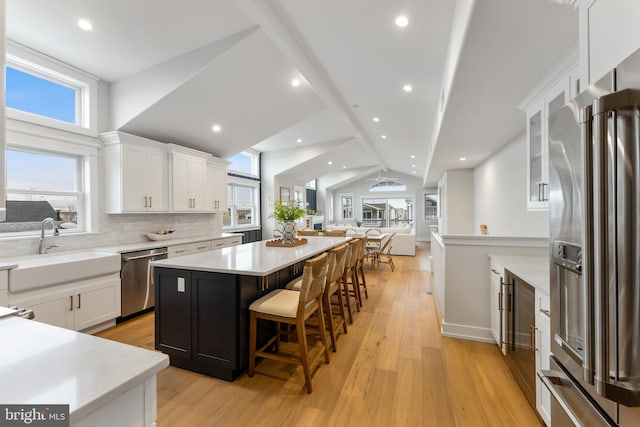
277, 243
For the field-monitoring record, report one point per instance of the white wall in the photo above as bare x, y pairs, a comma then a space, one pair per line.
360, 189
500, 195
456, 211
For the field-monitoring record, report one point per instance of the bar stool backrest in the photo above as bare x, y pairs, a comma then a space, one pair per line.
314, 277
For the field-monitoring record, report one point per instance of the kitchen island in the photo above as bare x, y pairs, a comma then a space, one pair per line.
202, 301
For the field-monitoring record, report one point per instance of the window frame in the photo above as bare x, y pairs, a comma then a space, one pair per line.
255, 164
255, 185
39, 65
387, 196
341, 196
27, 137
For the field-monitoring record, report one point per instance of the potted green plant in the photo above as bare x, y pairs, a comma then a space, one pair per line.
286, 213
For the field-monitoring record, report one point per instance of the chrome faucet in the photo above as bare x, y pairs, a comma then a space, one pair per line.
42, 249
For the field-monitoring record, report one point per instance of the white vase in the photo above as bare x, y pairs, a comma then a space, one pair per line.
288, 231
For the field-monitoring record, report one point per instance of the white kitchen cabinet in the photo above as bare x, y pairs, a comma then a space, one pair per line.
609, 32
217, 185
136, 174
551, 95
543, 351
200, 247
189, 181
78, 306
496, 280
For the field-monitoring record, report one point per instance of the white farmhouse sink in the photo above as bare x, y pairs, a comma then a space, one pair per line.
39, 271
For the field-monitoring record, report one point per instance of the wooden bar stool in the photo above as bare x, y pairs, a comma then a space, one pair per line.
335, 233
294, 308
307, 232
337, 259
362, 280
349, 278
333, 289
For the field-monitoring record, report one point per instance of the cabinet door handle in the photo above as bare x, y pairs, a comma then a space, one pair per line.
532, 338
544, 199
145, 202
499, 301
494, 271
70, 302
150, 202
79, 301
201, 247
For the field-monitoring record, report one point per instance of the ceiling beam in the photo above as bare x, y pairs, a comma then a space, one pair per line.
283, 33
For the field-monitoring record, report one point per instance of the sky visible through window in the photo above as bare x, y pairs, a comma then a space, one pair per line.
32, 94
241, 163
31, 171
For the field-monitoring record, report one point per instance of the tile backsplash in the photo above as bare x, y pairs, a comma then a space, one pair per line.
118, 229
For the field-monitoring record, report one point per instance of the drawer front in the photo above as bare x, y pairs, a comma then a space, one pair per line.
181, 250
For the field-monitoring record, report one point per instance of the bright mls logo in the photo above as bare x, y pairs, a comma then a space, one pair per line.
34, 415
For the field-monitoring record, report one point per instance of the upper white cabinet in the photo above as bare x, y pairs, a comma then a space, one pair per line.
135, 174
609, 32
188, 182
216, 197
549, 97
143, 176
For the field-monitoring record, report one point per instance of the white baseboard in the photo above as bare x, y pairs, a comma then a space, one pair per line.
466, 332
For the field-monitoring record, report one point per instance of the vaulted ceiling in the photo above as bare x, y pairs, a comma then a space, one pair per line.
177, 68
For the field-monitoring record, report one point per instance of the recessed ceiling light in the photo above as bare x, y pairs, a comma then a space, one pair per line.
376, 119
299, 140
85, 25
407, 88
402, 21
462, 159
344, 167
295, 82
216, 128
413, 156
330, 163
414, 171
383, 136
413, 166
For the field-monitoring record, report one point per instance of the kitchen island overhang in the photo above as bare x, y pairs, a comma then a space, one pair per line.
202, 301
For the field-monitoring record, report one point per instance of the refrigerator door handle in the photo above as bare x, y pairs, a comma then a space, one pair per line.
586, 135
610, 380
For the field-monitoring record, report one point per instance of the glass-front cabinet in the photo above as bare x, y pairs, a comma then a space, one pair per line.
553, 95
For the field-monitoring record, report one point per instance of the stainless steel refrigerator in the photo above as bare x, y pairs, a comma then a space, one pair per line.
594, 213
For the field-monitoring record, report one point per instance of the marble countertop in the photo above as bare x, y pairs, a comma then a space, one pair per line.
152, 244
251, 259
8, 265
43, 364
532, 269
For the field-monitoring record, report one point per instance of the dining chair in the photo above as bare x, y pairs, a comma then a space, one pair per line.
384, 254
293, 308
335, 233
307, 232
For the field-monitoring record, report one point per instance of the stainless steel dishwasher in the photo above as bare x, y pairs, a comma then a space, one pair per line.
138, 292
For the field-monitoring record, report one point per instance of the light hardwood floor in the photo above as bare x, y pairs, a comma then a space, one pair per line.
393, 368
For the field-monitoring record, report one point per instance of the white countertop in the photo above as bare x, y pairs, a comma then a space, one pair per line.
152, 244
532, 269
251, 259
43, 364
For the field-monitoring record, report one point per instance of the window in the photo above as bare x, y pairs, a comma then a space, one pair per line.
245, 163
38, 95
384, 186
42, 185
387, 212
242, 202
431, 206
311, 184
47, 92
346, 206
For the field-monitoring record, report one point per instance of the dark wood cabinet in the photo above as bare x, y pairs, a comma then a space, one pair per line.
175, 336
205, 326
